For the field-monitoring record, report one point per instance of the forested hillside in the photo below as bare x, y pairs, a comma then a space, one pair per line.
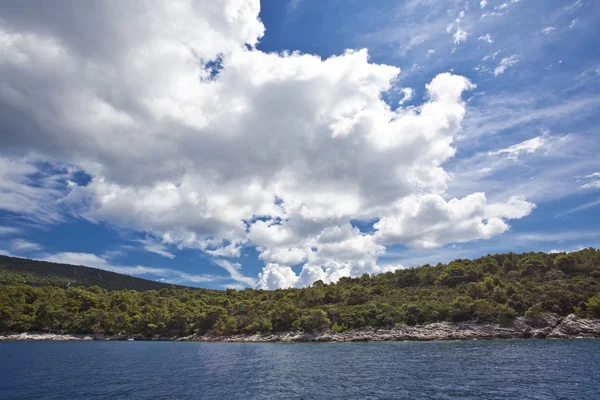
42, 273
493, 288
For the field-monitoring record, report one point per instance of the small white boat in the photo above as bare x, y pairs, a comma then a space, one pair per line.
130, 339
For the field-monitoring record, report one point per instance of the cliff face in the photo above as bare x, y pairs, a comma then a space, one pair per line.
552, 327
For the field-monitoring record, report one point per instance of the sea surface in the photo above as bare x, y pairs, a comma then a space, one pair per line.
503, 369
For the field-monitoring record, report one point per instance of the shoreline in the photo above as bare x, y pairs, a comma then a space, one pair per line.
549, 327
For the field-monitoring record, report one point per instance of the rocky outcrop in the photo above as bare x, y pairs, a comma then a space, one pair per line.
550, 326
574, 327
520, 328
36, 336
44, 336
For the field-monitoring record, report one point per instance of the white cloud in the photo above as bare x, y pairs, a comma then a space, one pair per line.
486, 38
191, 135
548, 30
593, 181
505, 63
483, 3
155, 247
574, 6
574, 23
527, 146
460, 35
234, 270
506, 4
29, 190
431, 221
22, 245
491, 56
408, 94
278, 276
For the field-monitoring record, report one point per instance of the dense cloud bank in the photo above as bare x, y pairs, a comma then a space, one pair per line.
194, 136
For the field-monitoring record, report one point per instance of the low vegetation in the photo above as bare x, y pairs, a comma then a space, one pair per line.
493, 288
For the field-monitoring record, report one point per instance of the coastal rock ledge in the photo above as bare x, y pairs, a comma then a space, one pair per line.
551, 327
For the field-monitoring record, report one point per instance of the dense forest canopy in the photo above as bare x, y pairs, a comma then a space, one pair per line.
492, 288
43, 273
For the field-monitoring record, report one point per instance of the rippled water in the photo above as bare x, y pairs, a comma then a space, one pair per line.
552, 369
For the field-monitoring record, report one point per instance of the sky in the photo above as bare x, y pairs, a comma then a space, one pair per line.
238, 143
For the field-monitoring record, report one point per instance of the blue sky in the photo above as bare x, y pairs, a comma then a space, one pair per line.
463, 128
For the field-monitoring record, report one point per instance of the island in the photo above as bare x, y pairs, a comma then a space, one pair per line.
500, 296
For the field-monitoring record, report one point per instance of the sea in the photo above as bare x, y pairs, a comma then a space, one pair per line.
499, 369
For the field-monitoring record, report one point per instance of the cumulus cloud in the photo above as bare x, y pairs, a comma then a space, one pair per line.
505, 63
430, 221
192, 135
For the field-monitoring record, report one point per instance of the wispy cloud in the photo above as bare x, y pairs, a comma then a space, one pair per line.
574, 6
495, 114
92, 260
548, 30
32, 191
592, 181
528, 146
558, 237
155, 247
486, 38
582, 207
505, 63
24, 245
8, 230
293, 5
234, 270
574, 23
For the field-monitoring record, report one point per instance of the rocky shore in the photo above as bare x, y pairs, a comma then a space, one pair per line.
549, 327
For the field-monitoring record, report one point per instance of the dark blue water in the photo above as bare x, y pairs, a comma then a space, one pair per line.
552, 369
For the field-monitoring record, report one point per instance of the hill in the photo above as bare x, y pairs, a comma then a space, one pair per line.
496, 288
42, 273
